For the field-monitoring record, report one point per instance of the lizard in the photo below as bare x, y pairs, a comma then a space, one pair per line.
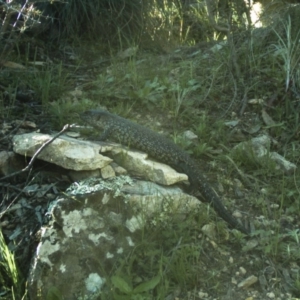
161, 148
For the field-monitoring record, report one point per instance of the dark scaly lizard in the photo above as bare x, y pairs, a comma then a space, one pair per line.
159, 147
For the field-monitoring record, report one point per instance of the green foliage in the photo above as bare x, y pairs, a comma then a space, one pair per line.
65, 110
138, 293
48, 83
181, 95
137, 82
92, 19
279, 246
209, 134
54, 294
288, 49
14, 24
148, 23
166, 258
247, 157
10, 277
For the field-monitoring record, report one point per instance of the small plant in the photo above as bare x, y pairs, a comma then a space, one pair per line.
140, 292
64, 109
48, 83
288, 48
181, 95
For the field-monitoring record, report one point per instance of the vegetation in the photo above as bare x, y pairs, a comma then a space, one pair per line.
190, 66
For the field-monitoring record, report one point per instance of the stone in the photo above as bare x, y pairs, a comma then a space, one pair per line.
88, 235
10, 163
108, 172
248, 282
259, 149
138, 164
64, 151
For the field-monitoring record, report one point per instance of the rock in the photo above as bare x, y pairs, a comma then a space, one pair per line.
108, 172
83, 235
209, 230
259, 149
149, 197
64, 151
80, 155
118, 169
90, 232
25, 124
282, 163
10, 163
73, 134
138, 164
202, 295
237, 214
248, 282
89, 235
190, 135
271, 295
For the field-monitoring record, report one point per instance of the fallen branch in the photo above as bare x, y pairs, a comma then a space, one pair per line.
33, 158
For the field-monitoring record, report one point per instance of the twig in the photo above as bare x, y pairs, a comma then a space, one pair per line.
66, 127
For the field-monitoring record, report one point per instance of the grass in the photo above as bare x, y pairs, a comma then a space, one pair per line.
288, 49
11, 279
49, 83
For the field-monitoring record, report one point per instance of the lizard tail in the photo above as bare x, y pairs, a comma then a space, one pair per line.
201, 186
